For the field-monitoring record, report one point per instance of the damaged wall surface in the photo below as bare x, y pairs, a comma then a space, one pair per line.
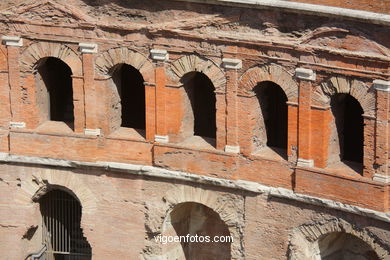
266, 122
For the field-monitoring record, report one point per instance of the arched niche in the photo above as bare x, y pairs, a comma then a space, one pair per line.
107, 66
123, 55
260, 89
307, 241
179, 105
193, 63
228, 208
35, 187
196, 226
342, 85
274, 73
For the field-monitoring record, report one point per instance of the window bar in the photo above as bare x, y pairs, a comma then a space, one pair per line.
55, 223
50, 238
66, 225
61, 233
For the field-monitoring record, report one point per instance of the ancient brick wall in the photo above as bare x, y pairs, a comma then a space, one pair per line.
122, 213
241, 51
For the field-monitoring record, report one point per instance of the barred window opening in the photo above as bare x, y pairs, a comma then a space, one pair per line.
61, 227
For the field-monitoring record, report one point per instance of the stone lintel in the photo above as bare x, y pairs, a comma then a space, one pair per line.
382, 85
88, 47
228, 63
159, 55
305, 74
12, 41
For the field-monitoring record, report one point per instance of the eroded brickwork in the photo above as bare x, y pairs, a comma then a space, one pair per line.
239, 52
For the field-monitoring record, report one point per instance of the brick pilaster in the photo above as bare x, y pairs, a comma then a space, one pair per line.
90, 99
14, 77
369, 146
158, 131
382, 130
231, 67
305, 77
220, 120
161, 128
150, 111
292, 132
78, 103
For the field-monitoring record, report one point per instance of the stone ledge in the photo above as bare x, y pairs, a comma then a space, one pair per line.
381, 178
94, 132
88, 47
12, 41
382, 85
305, 163
161, 139
305, 74
159, 55
156, 172
232, 149
231, 63
17, 124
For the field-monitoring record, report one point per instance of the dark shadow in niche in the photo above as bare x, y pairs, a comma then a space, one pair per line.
196, 219
350, 129
273, 107
201, 96
344, 246
57, 77
130, 86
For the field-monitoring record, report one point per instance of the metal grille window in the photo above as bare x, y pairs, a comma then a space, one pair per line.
62, 233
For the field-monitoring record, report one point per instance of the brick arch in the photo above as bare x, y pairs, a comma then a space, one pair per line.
36, 51
274, 73
191, 63
44, 180
228, 207
304, 239
108, 59
357, 89
207, 198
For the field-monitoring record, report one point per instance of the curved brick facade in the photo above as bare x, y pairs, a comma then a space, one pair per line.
286, 202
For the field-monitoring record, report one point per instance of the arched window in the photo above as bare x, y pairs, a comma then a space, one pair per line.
272, 100
62, 233
200, 114
130, 86
197, 220
57, 101
347, 140
343, 246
